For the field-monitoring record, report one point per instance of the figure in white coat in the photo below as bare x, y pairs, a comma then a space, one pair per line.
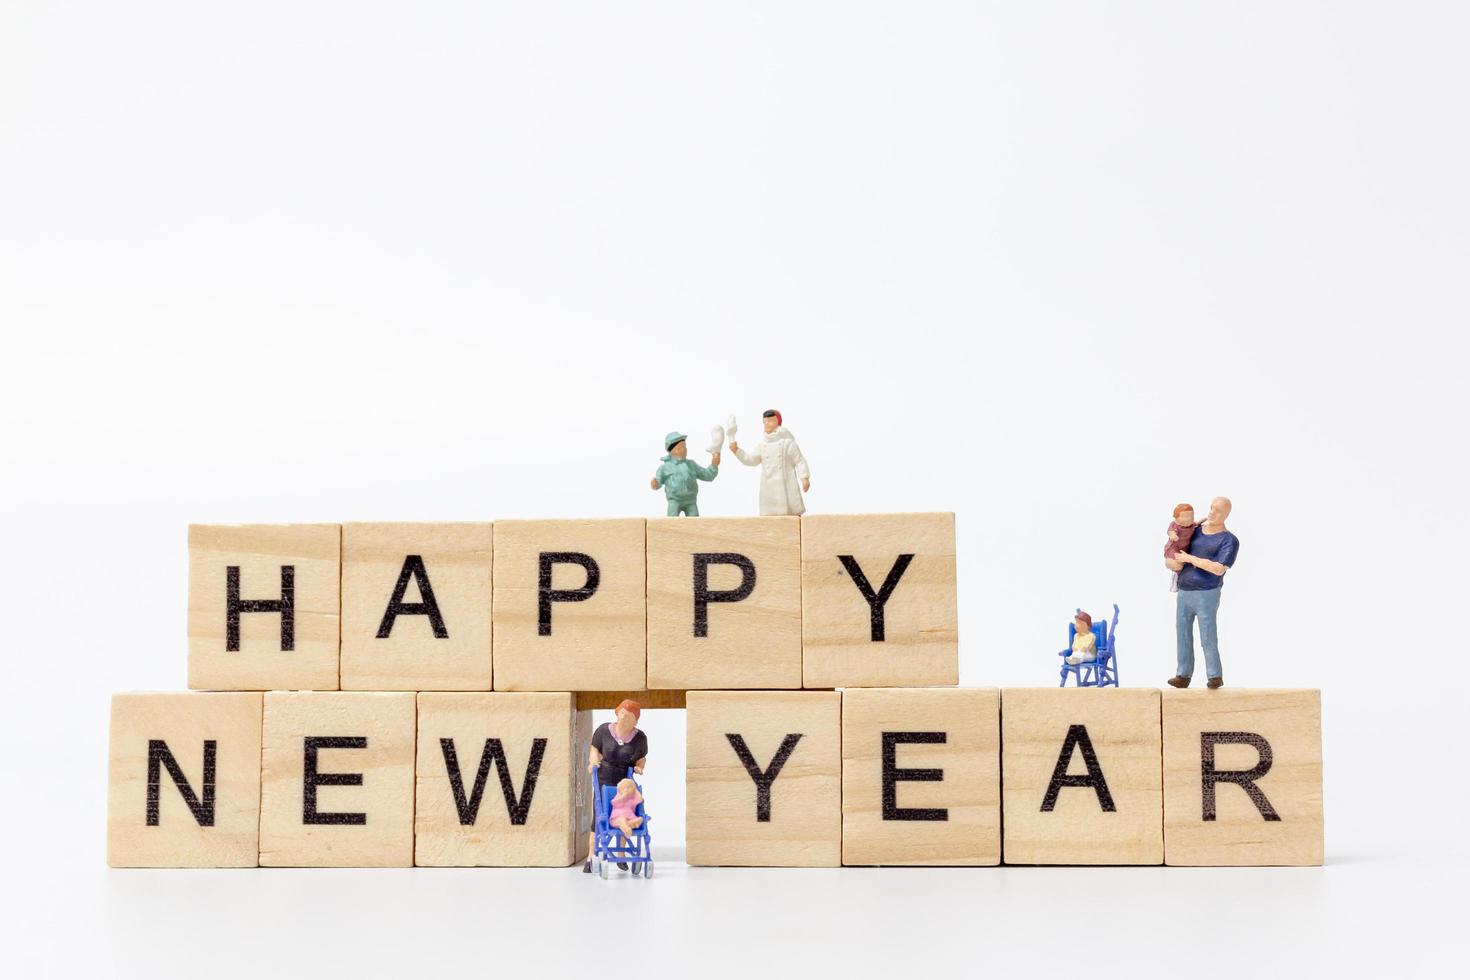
782, 466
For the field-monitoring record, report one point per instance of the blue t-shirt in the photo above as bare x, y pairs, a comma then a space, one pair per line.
1220, 547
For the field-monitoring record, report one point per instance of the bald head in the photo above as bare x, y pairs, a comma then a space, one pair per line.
1219, 510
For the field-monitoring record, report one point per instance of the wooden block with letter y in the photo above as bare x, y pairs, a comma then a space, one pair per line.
878, 604
1243, 777
764, 778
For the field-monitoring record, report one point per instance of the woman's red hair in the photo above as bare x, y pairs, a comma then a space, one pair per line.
632, 706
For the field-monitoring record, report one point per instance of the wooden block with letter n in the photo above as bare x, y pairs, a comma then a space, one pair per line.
569, 605
502, 780
764, 778
1082, 774
416, 607
921, 776
724, 602
1243, 777
336, 783
264, 601
878, 605
184, 781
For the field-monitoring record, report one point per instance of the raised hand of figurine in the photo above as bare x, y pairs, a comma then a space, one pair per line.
653, 483
734, 446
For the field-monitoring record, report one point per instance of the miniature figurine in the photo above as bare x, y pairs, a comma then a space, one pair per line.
679, 475
1091, 655
782, 465
1181, 529
1084, 644
624, 814
1201, 566
616, 746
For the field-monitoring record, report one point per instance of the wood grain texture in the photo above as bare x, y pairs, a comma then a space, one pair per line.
962, 825
608, 700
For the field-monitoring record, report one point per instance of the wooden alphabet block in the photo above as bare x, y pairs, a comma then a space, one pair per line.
724, 602
337, 780
416, 607
569, 606
878, 606
763, 786
1242, 777
184, 781
1082, 774
502, 780
921, 776
263, 606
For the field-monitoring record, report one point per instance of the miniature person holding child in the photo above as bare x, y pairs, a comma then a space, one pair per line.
618, 746
1201, 555
784, 473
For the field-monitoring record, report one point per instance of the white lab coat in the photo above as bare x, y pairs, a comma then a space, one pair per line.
782, 469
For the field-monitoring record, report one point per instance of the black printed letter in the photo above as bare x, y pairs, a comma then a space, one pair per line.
1077, 738
702, 594
311, 779
413, 566
493, 753
892, 774
876, 600
1244, 778
203, 809
285, 605
548, 595
763, 780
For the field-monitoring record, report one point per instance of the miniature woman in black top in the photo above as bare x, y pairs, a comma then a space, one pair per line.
616, 746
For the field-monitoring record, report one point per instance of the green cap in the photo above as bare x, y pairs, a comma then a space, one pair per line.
673, 439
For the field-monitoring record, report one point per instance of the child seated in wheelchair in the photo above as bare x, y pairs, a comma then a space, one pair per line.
1084, 644
624, 809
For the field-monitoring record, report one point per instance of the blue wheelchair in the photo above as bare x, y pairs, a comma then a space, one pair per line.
609, 845
1102, 672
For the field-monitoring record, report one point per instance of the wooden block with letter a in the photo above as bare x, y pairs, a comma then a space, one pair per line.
1082, 774
416, 607
264, 604
878, 605
502, 780
724, 602
1243, 777
569, 605
336, 783
921, 776
764, 778
183, 786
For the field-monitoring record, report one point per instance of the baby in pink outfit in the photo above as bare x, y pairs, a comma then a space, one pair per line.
624, 815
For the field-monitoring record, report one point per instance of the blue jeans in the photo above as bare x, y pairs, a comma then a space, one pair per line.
1202, 604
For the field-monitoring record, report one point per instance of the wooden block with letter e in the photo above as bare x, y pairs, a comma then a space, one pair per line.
1243, 777
724, 602
502, 780
336, 784
1082, 774
569, 605
263, 606
416, 607
764, 778
878, 605
921, 776
184, 780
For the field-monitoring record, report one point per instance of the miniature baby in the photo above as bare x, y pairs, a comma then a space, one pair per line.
624, 815
1084, 644
1181, 532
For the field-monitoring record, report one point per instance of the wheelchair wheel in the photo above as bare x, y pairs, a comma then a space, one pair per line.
637, 869
648, 869
602, 870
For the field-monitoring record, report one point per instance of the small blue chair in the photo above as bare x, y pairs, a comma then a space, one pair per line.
1102, 672
609, 846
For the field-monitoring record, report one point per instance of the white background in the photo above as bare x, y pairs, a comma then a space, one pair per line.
1053, 266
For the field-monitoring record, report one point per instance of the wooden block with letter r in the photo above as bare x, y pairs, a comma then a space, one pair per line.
921, 776
1243, 777
264, 603
569, 605
416, 607
724, 602
764, 782
1082, 774
183, 786
336, 783
502, 780
878, 604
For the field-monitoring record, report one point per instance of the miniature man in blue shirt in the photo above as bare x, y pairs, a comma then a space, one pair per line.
679, 476
1201, 567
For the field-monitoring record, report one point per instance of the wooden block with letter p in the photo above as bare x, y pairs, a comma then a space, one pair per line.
724, 602
569, 605
764, 778
416, 607
1082, 774
264, 603
921, 776
878, 605
502, 780
336, 782
1243, 777
184, 780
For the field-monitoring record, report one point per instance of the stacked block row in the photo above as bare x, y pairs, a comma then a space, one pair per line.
864, 776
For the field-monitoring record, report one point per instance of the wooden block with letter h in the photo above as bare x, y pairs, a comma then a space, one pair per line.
264, 604
764, 778
502, 780
1243, 777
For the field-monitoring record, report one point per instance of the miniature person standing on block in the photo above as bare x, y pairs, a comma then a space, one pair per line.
1201, 567
616, 746
1084, 642
782, 466
679, 475
1181, 529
